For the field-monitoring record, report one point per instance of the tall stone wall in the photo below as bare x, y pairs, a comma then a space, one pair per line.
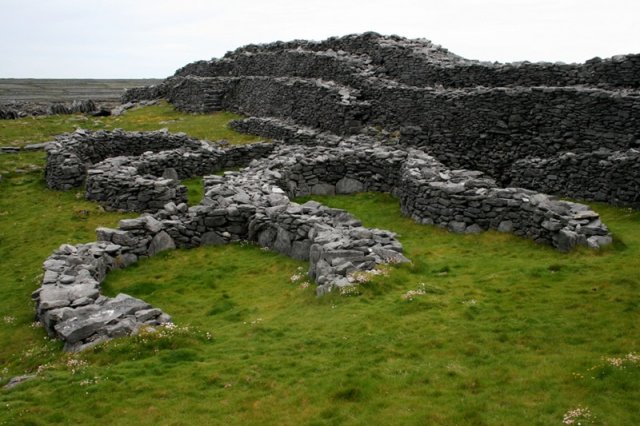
316, 103
416, 62
193, 94
489, 129
342, 68
468, 114
603, 175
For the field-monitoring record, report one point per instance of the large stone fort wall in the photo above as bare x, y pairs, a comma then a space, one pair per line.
476, 115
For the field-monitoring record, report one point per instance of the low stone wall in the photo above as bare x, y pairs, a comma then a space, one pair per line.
15, 110
254, 205
135, 184
118, 186
147, 182
603, 175
69, 157
8, 113
71, 308
332, 240
460, 200
69, 303
465, 201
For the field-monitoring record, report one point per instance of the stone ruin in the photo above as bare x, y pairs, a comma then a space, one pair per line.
515, 122
138, 171
462, 144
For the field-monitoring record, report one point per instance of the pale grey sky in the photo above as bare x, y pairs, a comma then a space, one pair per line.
152, 38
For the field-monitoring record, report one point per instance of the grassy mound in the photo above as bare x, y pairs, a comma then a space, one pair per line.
479, 329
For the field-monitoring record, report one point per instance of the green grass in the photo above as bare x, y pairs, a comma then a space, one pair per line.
195, 190
202, 126
507, 332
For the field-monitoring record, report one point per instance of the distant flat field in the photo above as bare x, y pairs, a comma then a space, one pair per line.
50, 90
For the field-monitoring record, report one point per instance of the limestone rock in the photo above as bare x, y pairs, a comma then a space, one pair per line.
349, 186
161, 242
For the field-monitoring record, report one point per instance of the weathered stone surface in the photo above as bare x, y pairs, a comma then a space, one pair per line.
145, 315
152, 224
123, 328
161, 242
349, 186
323, 189
457, 227
283, 241
300, 249
78, 328
170, 173
212, 238
15, 381
505, 226
566, 240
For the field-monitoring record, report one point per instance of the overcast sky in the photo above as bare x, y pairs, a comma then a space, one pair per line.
152, 38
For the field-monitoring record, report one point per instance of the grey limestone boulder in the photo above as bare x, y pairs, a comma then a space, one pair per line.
349, 186
161, 242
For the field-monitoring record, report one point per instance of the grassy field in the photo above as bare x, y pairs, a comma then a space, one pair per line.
480, 329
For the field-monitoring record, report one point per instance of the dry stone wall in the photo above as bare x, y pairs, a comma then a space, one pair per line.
15, 110
611, 176
69, 303
69, 157
254, 205
147, 182
490, 129
416, 62
460, 200
138, 171
468, 114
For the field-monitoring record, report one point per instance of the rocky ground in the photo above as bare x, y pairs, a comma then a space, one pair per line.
21, 97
